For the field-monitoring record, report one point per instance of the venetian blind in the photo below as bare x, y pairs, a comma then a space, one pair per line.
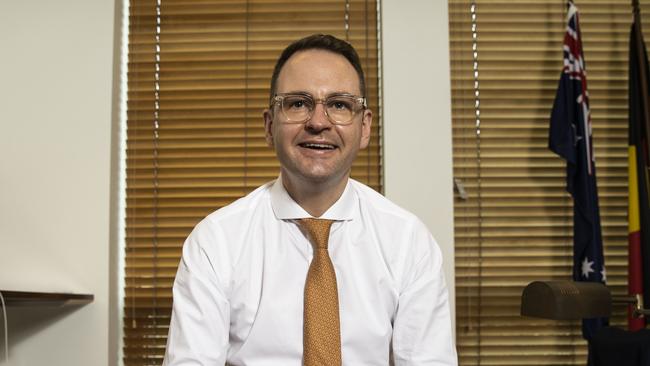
516, 224
198, 80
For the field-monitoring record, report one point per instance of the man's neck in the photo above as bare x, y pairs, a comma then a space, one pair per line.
315, 198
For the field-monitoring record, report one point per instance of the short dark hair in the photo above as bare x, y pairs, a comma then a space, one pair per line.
321, 42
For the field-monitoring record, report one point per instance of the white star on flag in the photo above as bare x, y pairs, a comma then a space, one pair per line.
586, 267
604, 274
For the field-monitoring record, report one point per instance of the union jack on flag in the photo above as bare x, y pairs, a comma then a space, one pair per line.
570, 138
574, 67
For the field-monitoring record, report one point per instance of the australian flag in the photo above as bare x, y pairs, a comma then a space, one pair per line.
570, 137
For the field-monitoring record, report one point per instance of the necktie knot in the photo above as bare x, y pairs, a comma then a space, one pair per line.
319, 231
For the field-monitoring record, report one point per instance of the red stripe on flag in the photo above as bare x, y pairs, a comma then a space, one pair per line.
635, 285
635, 278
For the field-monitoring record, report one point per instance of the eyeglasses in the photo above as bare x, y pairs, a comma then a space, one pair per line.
339, 108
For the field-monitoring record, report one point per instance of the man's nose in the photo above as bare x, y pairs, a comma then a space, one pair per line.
319, 120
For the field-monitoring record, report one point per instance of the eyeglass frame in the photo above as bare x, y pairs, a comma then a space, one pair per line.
279, 97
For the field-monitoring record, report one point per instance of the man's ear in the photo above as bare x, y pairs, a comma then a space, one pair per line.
268, 126
366, 123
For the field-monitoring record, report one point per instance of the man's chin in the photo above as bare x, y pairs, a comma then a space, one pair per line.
319, 176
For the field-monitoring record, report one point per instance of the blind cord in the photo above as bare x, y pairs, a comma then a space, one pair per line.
156, 163
346, 23
479, 197
4, 317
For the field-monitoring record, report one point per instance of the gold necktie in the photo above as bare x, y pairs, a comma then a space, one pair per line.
321, 331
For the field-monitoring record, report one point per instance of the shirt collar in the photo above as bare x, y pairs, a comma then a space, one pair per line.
285, 208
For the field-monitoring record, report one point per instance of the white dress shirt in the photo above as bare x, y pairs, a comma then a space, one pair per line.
238, 293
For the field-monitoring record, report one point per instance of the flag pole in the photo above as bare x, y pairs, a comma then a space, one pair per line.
643, 119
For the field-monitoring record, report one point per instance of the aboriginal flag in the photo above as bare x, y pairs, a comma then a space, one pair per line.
570, 137
639, 204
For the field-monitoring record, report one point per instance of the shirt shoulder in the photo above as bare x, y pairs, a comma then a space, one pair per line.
222, 231
404, 241
217, 242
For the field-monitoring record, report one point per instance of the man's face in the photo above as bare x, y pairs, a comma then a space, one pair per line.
320, 73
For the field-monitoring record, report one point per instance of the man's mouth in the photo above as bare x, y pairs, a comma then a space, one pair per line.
314, 146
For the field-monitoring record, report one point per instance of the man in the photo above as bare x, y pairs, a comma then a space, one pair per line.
258, 283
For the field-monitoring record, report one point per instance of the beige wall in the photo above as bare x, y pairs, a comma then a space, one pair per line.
56, 60
417, 117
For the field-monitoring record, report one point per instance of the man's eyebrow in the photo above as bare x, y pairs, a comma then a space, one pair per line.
342, 93
296, 92
328, 95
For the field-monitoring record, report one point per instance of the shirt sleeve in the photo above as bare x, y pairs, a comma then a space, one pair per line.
199, 327
422, 334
